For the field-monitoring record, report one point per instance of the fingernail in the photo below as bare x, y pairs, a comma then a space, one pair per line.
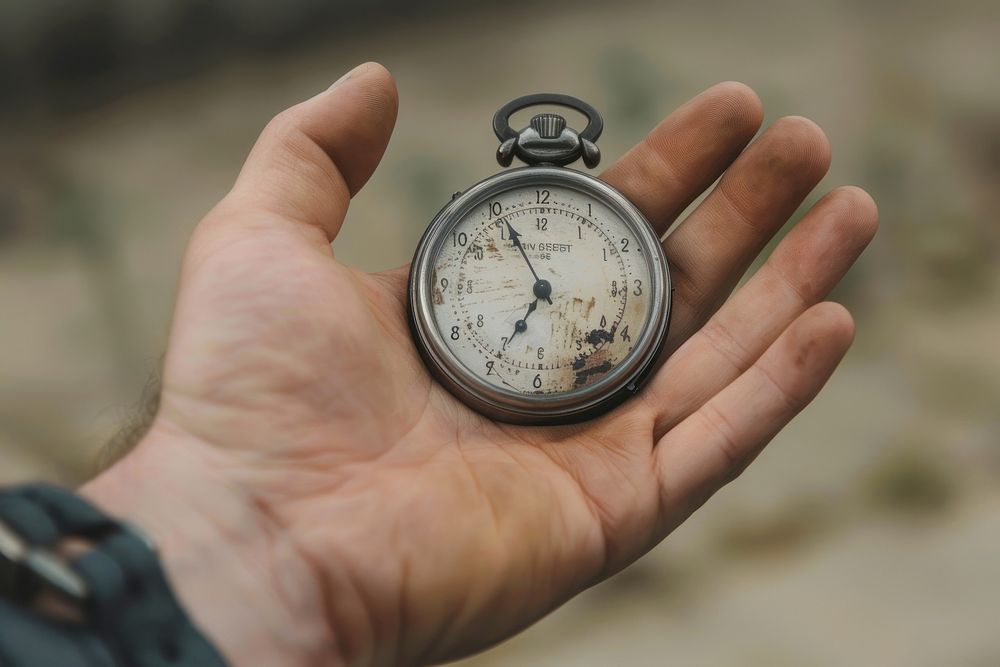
350, 75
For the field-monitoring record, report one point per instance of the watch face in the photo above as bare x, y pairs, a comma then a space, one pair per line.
541, 288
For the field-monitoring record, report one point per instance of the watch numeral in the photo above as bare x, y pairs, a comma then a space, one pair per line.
454, 333
542, 196
537, 382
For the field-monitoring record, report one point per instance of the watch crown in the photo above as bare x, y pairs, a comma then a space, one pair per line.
548, 125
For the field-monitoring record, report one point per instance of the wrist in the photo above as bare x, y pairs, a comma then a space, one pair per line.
242, 582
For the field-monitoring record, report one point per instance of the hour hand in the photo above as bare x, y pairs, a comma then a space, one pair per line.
522, 324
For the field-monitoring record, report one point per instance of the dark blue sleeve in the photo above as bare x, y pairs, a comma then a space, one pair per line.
28, 640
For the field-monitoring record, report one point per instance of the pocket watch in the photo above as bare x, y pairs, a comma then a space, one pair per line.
540, 295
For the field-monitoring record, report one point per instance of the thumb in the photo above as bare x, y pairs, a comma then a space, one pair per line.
311, 158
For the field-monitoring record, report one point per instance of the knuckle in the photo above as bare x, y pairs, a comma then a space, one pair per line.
726, 442
721, 338
283, 126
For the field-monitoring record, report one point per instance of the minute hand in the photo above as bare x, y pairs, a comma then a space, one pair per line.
515, 238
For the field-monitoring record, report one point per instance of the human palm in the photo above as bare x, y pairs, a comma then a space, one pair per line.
406, 527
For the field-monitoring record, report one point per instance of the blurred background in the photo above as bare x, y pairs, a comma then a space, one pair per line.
868, 534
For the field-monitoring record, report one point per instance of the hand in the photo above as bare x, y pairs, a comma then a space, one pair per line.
319, 499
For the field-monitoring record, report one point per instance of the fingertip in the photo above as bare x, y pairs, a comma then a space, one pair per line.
835, 231
365, 69
838, 319
739, 102
828, 323
380, 71
859, 209
800, 145
378, 86
312, 158
366, 104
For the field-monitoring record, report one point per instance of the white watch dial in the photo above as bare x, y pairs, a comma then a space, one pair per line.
541, 289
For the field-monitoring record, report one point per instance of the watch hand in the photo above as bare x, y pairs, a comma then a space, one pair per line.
521, 324
542, 288
531, 309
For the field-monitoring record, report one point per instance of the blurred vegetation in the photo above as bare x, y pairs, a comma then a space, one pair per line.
790, 529
912, 483
634, 85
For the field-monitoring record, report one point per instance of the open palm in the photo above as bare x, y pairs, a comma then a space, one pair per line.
408, 528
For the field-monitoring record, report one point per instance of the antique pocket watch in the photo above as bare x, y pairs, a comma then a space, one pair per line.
540, 295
